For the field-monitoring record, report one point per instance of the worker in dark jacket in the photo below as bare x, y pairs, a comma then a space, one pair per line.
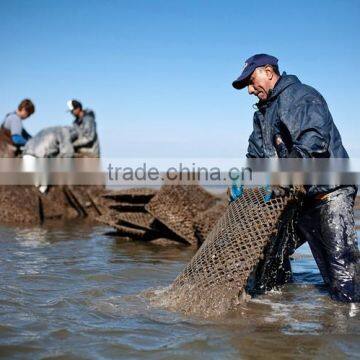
87, 143
295, 117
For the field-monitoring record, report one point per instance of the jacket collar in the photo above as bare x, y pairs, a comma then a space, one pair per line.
283, 82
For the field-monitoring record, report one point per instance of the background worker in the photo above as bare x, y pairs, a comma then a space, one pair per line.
12, 133
296, 115
87, 143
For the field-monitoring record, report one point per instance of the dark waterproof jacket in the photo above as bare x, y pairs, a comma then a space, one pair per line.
302, 117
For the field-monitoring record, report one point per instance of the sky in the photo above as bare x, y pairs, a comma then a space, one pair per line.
158, 74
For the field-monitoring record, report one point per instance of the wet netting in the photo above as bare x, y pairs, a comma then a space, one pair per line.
206, 220
25, 204
214, 281
133, 195
176, 206
138, 219
134, 220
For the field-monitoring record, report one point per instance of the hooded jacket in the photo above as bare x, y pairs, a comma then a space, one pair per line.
87, 142
301, 116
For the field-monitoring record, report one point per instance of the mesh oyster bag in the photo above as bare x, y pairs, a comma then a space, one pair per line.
206, 220
176, 206
214, 280
137, 219
136, 225
132, 195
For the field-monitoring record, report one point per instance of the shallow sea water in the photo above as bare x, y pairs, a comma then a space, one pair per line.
69, 291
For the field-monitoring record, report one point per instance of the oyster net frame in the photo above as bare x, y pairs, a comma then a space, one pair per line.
214, 281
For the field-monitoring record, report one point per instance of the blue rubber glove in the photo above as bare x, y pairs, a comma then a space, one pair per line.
236, 191
269, 193
18, 140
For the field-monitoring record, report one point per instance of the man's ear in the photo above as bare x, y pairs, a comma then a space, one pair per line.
269, 72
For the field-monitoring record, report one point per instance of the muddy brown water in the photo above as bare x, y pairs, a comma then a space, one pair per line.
68, 291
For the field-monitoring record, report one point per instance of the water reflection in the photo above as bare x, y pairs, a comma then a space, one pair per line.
33, 237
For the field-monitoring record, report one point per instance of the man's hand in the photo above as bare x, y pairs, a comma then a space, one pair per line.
280, 191
280, 147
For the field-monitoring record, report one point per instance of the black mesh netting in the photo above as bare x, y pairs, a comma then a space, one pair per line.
214, 281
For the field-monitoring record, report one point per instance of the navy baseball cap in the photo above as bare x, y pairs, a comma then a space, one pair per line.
250, 65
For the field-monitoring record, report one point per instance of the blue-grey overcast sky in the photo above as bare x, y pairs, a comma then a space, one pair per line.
158, 73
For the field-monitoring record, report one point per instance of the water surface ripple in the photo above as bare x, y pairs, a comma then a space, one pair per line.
68, 291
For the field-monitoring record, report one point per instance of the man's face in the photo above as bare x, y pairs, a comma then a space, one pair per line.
260, 83
76, 112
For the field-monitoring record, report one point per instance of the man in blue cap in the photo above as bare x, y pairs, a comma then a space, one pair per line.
293, 120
